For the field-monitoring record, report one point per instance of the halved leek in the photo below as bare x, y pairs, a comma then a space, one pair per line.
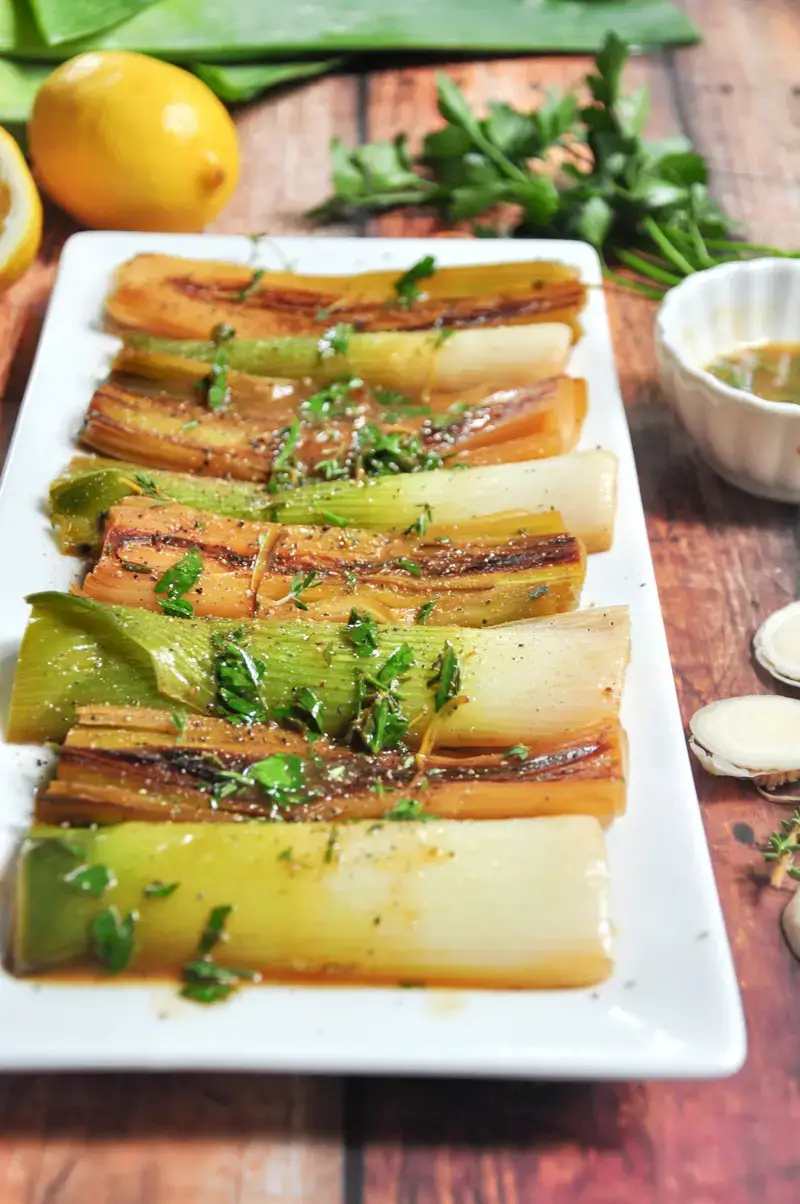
131, 418
247, 569
523, 681
581, 487
184, 298
515, 903
502, 357
125, 764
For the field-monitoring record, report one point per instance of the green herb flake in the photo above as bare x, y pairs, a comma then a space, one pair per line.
538, 591
113, 938
178, 715
335, 341
425, 611
309, 707
176, 582
363, 632
331, 853
516, 750
223, 332
351, 581
333, 520
146, 484
406, 286
214, 930
285, 854
251, 286
409, 566
447, 676
92, 880
160, 890
300, 583
238, 676
420, 523
442, 335
408, 809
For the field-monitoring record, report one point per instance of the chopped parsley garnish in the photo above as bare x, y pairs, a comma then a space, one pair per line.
147, 484
398, 406
203, 980
420, 523
333, 520
189, 426
538, 591
332, 401
176, 582
160, 890
92, 880
113, 938
405, 286
285, 854
300, 583
424, 612
239, 675
452, 416
409, 566
351, 581
214, 929
251, 285
447, 676
309, 708
332, 846
516, 750
380, 453
178, 717
335, 341
332, 469
442, 335
131, 567
281, 777
363, 632
379, 722
407, 808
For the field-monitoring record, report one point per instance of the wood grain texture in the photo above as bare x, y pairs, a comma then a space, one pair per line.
723, 561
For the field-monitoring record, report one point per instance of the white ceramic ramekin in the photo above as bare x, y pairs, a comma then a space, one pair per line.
752, 443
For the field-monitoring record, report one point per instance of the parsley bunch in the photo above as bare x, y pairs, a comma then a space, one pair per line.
643, 204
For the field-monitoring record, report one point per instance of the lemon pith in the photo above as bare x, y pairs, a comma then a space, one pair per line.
20, 213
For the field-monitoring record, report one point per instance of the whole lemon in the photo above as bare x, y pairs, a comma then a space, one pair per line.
125, 142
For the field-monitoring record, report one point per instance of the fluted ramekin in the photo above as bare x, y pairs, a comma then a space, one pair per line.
752, 443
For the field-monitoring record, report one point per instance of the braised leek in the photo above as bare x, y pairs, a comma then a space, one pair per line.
516, 903
184, 298
247, 569
414, 363
344, 430
524, 681
581, 487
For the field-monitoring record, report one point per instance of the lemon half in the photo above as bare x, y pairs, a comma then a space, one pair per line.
20, 213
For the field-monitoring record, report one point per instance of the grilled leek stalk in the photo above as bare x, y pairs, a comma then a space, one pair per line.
414, 363
248, 568
581, 487
128, 764
515, 903
247, 438
525, 681
184, 298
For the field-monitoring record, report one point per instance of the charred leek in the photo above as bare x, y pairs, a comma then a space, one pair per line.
184, 298
247, 569
128, 764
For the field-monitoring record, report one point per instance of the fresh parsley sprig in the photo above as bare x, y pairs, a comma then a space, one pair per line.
644, 204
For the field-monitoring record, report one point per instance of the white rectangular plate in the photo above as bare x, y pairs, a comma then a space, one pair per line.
672, 1007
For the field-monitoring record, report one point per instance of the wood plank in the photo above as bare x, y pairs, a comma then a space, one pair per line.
723, 561
181, 1139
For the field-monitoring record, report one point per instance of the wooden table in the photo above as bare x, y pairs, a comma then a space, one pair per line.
723, 559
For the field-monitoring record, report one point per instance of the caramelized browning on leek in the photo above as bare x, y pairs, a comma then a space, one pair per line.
184, 298
248, 568
123, 764
341, 432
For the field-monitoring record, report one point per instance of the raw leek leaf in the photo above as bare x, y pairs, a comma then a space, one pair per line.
238, 82
186, 30
61, 20
232, 83
19, 83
